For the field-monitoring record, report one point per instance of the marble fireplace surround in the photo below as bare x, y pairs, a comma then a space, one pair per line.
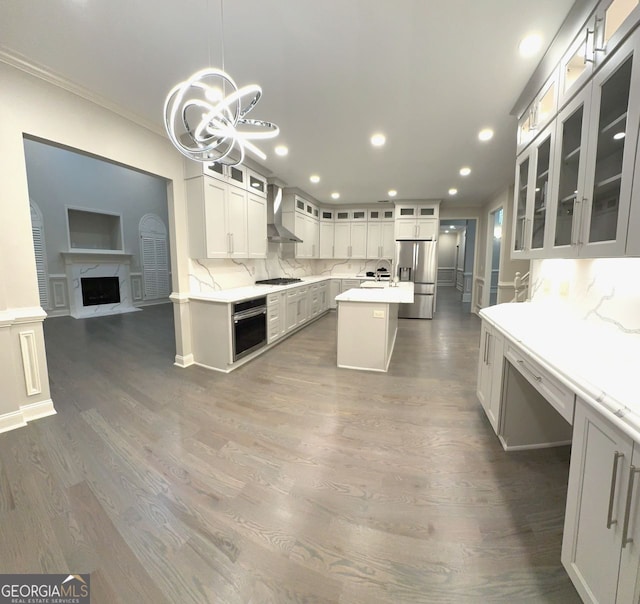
98, 263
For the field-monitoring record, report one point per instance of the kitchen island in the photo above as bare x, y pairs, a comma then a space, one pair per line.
368, 323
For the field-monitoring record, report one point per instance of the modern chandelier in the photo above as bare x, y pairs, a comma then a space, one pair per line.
205, 117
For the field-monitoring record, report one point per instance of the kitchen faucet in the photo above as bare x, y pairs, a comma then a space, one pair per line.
390, 263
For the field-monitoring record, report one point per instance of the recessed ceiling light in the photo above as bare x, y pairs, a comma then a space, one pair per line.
335, 195
485, 134
377, 140
281, 150
530, 45
392, 192
465, 171
453, 191
447, 231
618, 135
314, 178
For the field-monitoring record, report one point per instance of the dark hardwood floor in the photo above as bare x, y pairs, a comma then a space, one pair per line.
288, 480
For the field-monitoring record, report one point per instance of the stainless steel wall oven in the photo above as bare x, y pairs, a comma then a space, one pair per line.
249, 324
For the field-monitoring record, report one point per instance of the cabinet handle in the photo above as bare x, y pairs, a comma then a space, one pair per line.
577, 212
595, 35
583, 205
537, 378
590, 32
489, 336
627, 508
612, 491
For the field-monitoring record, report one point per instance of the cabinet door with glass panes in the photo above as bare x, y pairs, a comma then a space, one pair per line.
569, 166
539, 113
614, 20
613, 134
576, 66
532, 189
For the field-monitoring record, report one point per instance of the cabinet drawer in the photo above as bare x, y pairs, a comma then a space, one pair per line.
555, 392
273, 299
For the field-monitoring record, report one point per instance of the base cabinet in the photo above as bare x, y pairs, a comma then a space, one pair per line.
490, 367
601, 541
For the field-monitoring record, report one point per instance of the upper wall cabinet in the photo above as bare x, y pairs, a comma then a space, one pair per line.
574, 182
541, 111
613, 21
533, 186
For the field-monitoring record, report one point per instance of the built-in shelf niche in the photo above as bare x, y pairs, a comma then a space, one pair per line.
93, 230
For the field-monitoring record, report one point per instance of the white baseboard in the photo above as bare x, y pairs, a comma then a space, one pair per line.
26, 413
183, 361
38, 410
506, 447
11, 421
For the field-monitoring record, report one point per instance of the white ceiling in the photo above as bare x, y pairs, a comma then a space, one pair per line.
428, 73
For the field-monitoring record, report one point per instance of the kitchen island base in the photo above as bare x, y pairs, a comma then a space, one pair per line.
366, 334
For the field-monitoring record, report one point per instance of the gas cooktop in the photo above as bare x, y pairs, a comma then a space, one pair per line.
278, 281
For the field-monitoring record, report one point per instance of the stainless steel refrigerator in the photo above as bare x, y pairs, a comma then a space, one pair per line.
417, 261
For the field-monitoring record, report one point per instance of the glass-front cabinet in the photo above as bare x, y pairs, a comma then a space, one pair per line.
539, 113
576, 66
532, 190
613, 133
573, 191
614, 20
568, 193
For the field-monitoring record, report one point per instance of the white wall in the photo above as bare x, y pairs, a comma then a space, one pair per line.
28, 105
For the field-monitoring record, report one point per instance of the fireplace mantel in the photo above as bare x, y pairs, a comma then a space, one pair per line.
81, 263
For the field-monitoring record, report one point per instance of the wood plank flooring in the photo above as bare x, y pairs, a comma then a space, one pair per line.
289, 480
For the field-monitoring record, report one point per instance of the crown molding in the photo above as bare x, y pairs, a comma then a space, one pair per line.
20, 62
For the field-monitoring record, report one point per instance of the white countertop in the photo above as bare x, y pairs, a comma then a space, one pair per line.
598, 363
402, 294
237, 294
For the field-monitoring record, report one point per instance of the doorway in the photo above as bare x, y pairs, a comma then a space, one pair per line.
494, 237
456, 254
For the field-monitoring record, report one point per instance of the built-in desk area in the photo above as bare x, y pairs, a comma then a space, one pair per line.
547, 378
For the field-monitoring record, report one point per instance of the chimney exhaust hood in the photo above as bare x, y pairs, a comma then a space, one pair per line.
275, 231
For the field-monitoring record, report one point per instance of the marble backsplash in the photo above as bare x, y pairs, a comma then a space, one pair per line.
206, 276
603, 291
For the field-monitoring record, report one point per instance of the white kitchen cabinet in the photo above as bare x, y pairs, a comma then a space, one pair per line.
323, 296
592, 150
326, 230
490, 368
217, 216
276, 319
335, 288
350, 239
380, 240
297, 307
348, 284
416, 221
256, 226
386, 214
601, 540
614, 20
615, 109
533, 185
237, 222
569, 167
540, 113
256, 184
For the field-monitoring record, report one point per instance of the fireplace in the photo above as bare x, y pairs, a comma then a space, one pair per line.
100, 290
99, 283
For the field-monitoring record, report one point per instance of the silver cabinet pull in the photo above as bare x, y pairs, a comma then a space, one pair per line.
537, 378
577, 223
627, 508
612, 491
489, 338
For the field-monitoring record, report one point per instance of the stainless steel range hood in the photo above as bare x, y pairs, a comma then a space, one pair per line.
275, 231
